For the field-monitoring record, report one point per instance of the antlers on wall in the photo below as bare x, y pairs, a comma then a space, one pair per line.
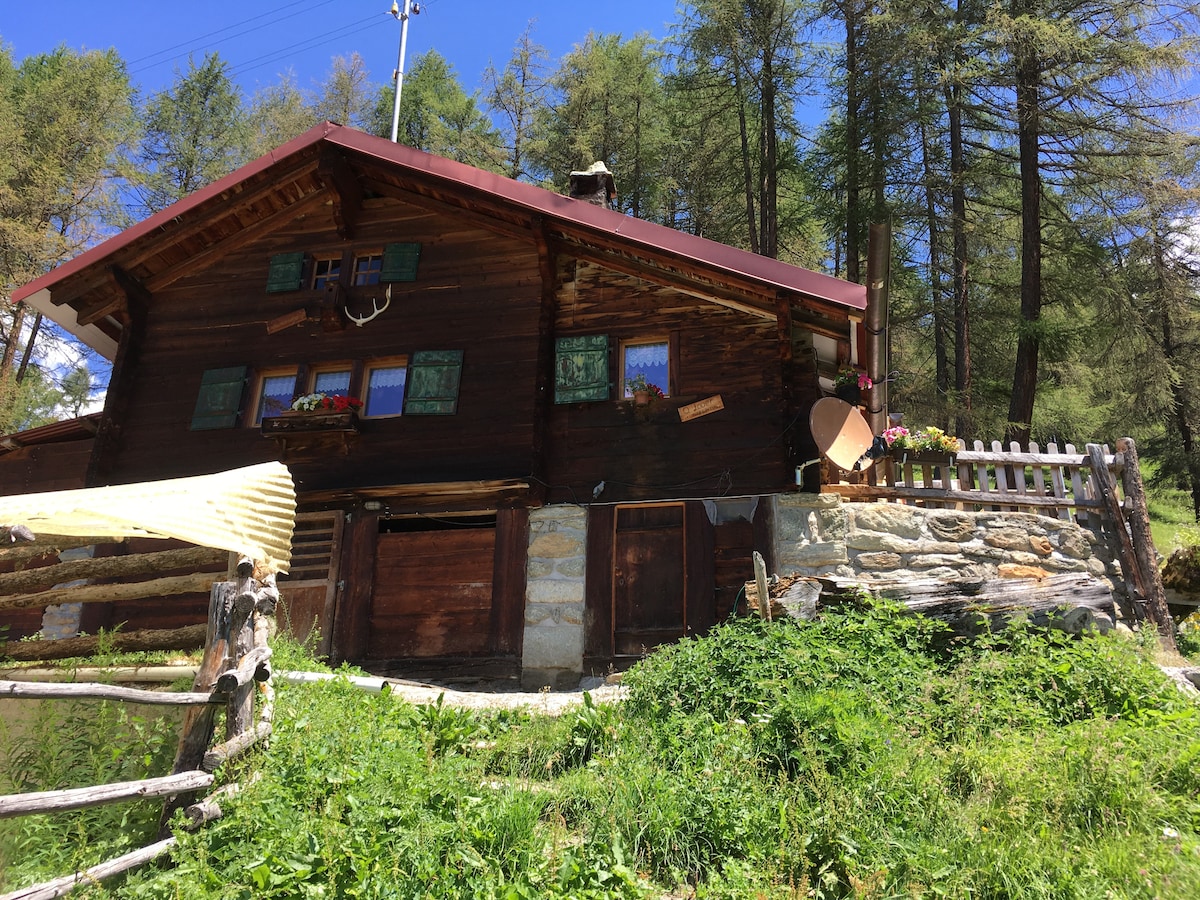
360, 321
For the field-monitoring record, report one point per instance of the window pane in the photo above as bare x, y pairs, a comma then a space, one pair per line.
332, 382
649, 360
367, 269
277, 393
385, 391
324, 271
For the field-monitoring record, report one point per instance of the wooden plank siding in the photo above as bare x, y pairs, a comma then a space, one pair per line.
651, 454
45, 467
475, 291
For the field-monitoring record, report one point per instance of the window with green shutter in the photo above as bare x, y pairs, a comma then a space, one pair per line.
220, 399
581, 369
286, 273
400, 262
433, 380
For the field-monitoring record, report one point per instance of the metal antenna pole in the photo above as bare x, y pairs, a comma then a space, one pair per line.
409, 6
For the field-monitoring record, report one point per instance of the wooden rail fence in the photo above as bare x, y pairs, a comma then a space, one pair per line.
234, 671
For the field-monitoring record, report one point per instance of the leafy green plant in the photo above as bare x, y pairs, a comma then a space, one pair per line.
864, 754
51, 745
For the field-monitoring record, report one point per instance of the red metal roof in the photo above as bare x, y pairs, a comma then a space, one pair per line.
635, 232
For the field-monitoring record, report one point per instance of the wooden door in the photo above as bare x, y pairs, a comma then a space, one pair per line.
432, 594
649, 581
308, 593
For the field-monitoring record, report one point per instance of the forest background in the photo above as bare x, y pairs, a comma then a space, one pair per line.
1037, 161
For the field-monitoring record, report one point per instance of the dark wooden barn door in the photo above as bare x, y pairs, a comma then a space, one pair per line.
649, 605
433, 594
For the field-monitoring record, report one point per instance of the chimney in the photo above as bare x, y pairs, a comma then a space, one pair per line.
595, 185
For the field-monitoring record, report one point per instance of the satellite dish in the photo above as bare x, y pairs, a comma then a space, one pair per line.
841, 433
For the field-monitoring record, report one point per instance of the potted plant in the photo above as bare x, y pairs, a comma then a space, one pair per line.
643, 391
849, 384
321, 402
929, 444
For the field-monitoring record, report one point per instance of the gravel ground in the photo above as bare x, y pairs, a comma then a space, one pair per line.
545, 702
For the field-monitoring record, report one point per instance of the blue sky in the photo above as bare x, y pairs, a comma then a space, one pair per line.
262, 39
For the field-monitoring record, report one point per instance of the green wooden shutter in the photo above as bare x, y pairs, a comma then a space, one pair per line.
400, 262
581, 369
287, 272
220, 398
433, 379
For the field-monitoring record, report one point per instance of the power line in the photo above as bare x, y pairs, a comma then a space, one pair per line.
196, 43
307, 44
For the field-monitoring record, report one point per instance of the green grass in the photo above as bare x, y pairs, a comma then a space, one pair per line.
861, 755
1172, 523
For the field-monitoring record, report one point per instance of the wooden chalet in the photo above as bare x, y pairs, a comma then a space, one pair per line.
489, 327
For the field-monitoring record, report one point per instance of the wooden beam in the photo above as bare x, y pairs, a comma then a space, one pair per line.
199, 261
1143, 544
619, 261
337, 175
544, 371
110, 567
190, 637
60, 887
81, 798
971, 498
90, 313
114, 593
133, 289
488, 217
239, 198
29, 690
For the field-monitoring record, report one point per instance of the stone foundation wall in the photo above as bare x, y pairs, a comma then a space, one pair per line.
556, 560
818, 534
61, 620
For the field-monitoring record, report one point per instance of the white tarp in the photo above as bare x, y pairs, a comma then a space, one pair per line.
250, 511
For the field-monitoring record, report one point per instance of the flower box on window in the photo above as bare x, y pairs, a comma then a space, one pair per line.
295, 421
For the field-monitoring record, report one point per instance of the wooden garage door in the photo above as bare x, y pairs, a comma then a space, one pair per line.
433, 594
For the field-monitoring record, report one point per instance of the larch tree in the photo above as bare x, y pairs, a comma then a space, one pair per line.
278, 113
754, 47
196, 131
348, 97
514, 96
438, 116
608, 105
65, 119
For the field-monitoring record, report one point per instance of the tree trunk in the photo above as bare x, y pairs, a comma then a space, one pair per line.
747, 175
190, 637
27, 353
768, 163
964, 424
1020, 410
853, 236
1179, 412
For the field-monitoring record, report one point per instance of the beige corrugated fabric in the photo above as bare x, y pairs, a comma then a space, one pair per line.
251, 511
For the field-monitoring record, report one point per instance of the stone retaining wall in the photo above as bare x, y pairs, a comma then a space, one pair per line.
818, 534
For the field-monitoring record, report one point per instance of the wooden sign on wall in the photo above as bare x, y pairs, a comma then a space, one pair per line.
701, 408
